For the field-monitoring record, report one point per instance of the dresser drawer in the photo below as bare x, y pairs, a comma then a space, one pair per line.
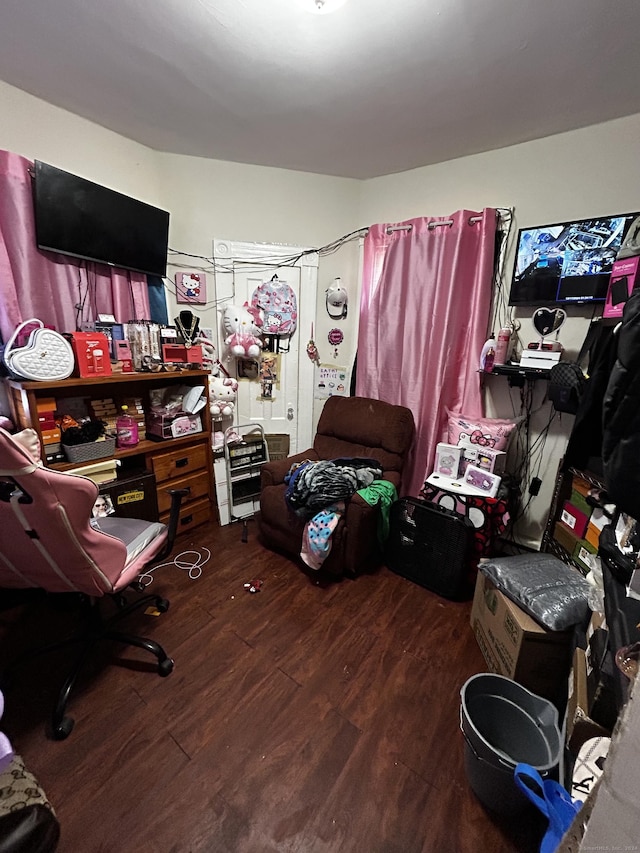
191, 515
178, 463
197, 484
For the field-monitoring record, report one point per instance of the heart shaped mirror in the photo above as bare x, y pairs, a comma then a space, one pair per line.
548, 320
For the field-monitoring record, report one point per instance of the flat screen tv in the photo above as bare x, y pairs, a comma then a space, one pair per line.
85, 220
567, 262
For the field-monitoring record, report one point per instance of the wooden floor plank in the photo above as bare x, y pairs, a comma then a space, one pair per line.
314, 716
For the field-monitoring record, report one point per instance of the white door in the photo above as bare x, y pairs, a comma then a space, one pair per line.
240, 269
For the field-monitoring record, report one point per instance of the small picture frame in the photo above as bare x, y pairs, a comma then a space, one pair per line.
191, 288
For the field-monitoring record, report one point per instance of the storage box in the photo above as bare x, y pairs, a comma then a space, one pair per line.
51, 436
579, 501
574, 519
491, 460
580, 726
565, 537
182, 354
483, 481
90, 450
585, 554
580, 485
447, 461
515, 645
92, 353
160, 426
278, 444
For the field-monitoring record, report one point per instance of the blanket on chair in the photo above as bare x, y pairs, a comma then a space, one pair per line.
315, 485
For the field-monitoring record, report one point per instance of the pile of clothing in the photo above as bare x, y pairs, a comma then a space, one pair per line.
317, 491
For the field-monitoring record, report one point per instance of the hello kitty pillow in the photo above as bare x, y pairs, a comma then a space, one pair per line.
479, 432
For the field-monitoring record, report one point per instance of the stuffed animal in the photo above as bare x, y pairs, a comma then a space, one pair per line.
242, 327
209, 357
222, 396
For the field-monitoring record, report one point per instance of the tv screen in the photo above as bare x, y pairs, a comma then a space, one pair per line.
77, 217
567, 262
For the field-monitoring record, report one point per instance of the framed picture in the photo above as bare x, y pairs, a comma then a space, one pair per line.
191, 288
269, 373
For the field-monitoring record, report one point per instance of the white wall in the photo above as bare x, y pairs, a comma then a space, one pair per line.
39, 131
587, 172
231, 201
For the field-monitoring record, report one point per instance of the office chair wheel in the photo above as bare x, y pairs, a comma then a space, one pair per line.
63, 729
162, 604
165, 667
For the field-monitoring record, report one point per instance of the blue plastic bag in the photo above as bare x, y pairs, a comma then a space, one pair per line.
552, 800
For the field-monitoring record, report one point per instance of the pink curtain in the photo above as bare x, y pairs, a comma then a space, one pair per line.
60, 291
424, 312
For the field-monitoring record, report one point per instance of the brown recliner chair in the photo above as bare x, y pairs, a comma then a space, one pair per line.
354, 427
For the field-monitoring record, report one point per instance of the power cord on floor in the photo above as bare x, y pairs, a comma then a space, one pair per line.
188, 561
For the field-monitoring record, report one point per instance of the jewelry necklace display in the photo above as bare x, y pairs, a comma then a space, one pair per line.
190, 334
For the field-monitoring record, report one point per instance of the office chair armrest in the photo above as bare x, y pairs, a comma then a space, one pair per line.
273, 473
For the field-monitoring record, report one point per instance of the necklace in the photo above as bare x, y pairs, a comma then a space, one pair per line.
188, 336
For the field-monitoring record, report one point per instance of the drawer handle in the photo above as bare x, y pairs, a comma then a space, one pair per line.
187, 519
180, 463
187, 490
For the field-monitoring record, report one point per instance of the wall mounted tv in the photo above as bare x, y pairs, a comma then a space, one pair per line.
567, 262
77, 217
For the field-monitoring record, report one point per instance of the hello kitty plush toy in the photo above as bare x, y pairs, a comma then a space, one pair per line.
242, 327
222, 396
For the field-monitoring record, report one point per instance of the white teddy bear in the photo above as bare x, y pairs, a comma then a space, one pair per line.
222, 396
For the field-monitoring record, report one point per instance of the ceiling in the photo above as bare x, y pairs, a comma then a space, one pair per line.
376, 87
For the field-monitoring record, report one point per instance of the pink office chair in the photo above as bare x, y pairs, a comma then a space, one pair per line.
48, 540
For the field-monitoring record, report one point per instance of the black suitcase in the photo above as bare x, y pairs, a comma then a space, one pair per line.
430, 545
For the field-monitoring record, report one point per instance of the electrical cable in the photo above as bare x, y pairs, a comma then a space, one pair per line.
184, 561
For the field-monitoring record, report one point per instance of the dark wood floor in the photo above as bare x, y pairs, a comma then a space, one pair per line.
306, 717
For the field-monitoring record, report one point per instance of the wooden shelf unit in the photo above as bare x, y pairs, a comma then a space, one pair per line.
176, 462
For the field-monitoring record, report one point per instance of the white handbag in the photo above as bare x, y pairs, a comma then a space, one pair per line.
46, 357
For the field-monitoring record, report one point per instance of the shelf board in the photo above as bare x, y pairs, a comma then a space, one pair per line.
517, 370
111, 379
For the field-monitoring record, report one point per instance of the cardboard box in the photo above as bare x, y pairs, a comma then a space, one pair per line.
515, 645
565, 537
579, 501
575, 519
45, 405
580, 485
278, 444
447, 461
580, 726
51, 436
592, 536
585, 554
